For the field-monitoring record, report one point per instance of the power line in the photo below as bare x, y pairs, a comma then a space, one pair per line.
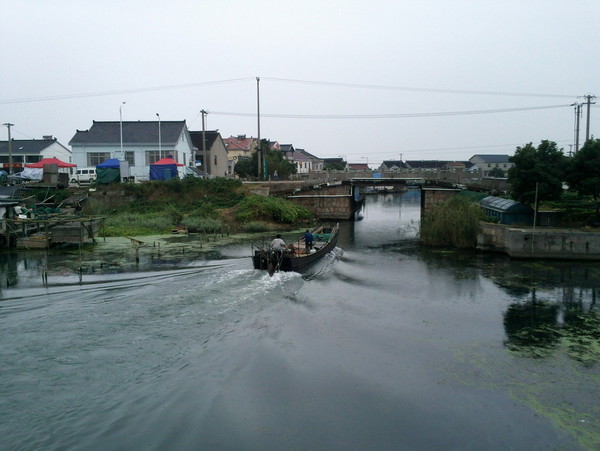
413, 89
390, 116
119, 91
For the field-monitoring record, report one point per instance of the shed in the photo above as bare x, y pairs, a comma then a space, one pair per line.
108, 171
507, 211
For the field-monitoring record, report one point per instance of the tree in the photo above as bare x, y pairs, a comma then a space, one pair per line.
496, 172
274, 161
584, 171
542, 168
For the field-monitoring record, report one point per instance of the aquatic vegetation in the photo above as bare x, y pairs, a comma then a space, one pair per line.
255, 227
454, 223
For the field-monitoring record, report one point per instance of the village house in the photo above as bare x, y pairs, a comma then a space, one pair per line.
305, 162
485, 163
392, 166
217, 164
358, 167
27, 151
143, 143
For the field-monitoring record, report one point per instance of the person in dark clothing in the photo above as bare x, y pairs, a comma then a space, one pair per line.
308, 240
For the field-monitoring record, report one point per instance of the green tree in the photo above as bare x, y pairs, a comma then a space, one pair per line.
584, 172
274, 162
542, 167
496, 172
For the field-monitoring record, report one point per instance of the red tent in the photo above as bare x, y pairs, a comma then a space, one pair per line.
43, 162
167, 161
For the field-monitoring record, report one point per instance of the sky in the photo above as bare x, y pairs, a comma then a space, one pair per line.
366, 80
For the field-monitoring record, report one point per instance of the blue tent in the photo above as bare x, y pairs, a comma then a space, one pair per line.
108, 171
164, 169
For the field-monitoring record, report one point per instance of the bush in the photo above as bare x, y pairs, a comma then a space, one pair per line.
270, 208
454, 223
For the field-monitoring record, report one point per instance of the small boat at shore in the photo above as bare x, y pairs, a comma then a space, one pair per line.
297, 256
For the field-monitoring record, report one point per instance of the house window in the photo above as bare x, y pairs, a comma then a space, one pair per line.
33, 158
95, 158
215, 159
130, 158
152, 156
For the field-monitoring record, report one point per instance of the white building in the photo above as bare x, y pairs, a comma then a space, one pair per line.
143, 143
27, 151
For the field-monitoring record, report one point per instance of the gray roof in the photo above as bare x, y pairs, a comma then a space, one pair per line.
286, 147
210, 136
392, 163
26, 146
140, 132
492, 158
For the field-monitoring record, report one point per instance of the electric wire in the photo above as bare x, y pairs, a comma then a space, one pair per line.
389, 116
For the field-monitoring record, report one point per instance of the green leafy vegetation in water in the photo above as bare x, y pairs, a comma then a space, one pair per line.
533, 331
258, 208
453, 223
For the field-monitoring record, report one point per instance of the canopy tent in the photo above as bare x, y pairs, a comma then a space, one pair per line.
164, 169
45, 161
108, 171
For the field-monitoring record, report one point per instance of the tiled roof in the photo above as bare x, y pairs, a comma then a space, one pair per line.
26, 146
392, 163
239, 142
140, 132
210, 136
425, 164
358, 166
491, 158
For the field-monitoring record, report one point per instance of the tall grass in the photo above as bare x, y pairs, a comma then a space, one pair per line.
454, 223
257, 208
125, 224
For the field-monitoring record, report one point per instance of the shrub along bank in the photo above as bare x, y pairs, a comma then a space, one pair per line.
200, 205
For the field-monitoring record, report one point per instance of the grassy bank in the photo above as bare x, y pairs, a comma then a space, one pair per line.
198, 205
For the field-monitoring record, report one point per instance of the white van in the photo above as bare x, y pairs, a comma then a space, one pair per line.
85, 175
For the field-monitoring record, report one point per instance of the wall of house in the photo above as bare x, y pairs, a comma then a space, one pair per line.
181, 152
58, 151
218, 150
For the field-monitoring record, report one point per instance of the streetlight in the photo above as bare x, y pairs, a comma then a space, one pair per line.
10, 162
159, 139
121, 129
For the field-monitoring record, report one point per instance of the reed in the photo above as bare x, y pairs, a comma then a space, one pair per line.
454, 223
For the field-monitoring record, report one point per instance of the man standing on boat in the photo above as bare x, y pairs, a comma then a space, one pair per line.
308, 240
278, 244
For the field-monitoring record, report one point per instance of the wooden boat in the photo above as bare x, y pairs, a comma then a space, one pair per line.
297, 257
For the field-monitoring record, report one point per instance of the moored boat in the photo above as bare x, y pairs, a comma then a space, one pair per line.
297, 256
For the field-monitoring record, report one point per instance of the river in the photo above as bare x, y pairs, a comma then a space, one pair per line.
383, 345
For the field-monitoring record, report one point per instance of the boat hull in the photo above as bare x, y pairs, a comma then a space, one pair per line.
265, 259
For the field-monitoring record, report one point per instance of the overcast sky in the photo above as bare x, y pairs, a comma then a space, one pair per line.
361, 79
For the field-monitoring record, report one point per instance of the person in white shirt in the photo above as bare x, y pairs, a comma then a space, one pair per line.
278, 244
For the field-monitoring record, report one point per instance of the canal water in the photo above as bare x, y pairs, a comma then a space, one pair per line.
382, 345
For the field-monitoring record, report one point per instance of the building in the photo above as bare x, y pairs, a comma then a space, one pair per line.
305, 162
485, 163
392, 165
426, 165
143, 143
335, 162
216, 153
239, 147
358, 167
27, 151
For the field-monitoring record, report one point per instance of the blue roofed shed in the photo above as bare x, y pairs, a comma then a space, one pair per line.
507, 211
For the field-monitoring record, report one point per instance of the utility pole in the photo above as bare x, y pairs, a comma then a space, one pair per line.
577, 116
589, 102
121, 130
259, 150
10, 160
204, 158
